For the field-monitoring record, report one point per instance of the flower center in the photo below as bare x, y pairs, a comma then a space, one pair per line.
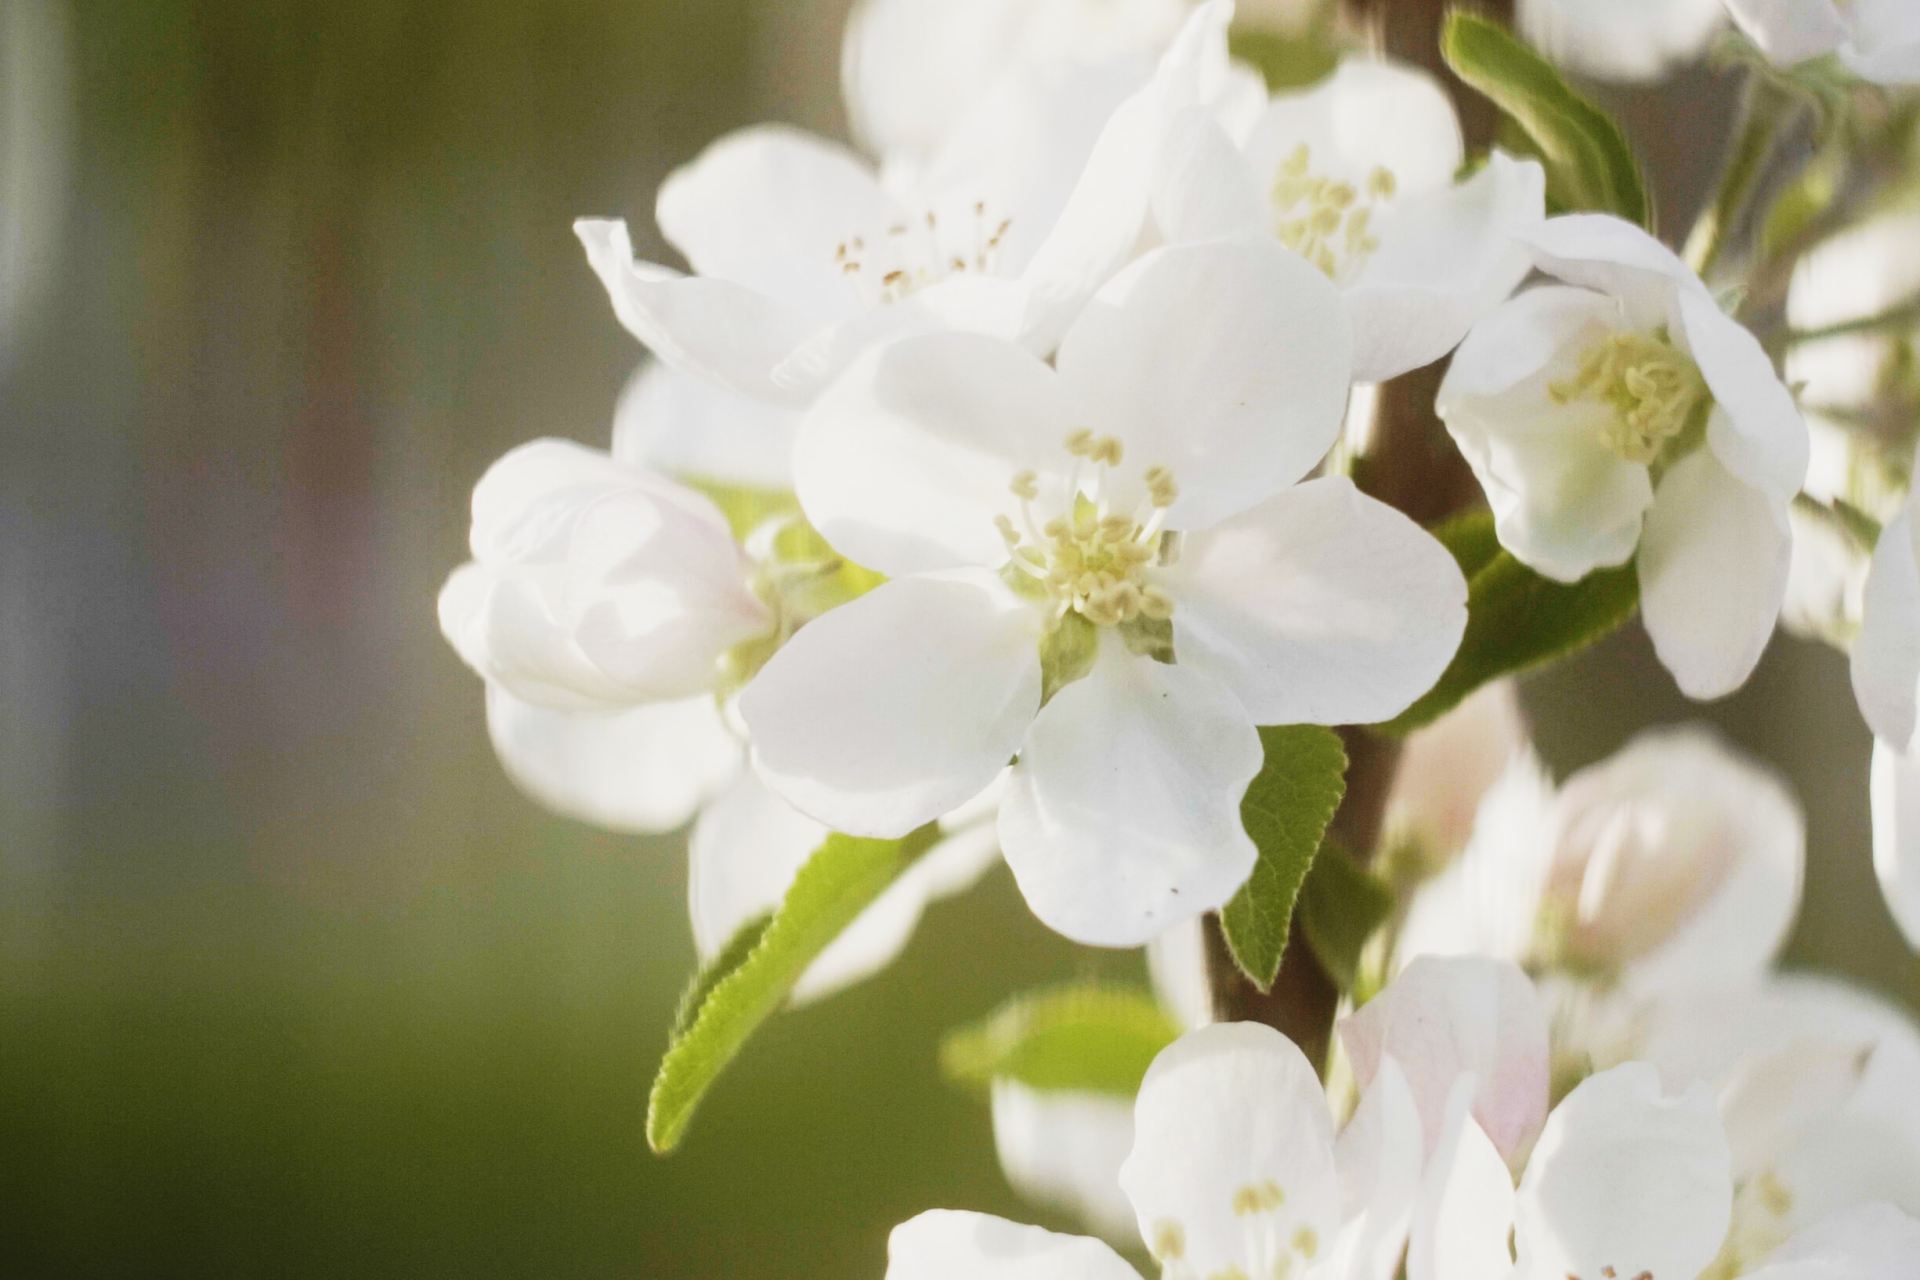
1092, 560
1325, 221
1653, 388
910, 255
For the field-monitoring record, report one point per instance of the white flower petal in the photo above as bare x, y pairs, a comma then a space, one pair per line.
1227, 363
644, 770
1064, 1150
947, 1245
1446, 258
1609, 254
766, 207
1624, 1177
1369, 114
697, 430
1791, 31
1380, 1155
1448, 1019
1896, 835
1713, 574
905, 462
894, 709
1886, 655
1869, 1242
1177, 967
1885, 44
1233, 1157
910, 69
1123, 816
1563, 503
1621, 39
1319, 606
712, 328
1466, 1207
1757, 433
1447, 767
1203, 188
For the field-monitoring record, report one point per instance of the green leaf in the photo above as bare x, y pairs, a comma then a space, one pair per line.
1589, 165
1084, 1037
1286, 811
1288, 60
745, 509
1341, 906
1517, 620
744, 985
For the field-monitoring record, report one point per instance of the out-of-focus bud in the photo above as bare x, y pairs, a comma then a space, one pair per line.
1446, 770
1629, 40
594, 585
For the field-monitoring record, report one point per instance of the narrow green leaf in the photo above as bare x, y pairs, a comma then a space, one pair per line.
1589, 165
1517, 620
744, 985
1084, 1037
1286, 811
1341, 906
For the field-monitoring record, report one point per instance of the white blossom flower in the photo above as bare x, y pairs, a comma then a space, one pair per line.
1622, 411
1878, 40
1815, 1082
1674, 863
913, 70
1357, 174
599, 601
1627, 40
1625, 1181
803, 256
1871, 1242
1063, 1148
1131, 500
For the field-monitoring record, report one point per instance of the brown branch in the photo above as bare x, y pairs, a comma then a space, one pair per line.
1411, 465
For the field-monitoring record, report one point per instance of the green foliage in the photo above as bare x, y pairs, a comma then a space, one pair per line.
1286, 811
732, 996
1290, 60
1589, 165
1082, 1037
1341, 906
1516, 619
745, 509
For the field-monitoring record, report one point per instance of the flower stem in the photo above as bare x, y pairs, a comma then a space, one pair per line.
1766, 112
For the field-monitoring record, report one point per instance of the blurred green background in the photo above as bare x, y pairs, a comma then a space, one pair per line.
291, 981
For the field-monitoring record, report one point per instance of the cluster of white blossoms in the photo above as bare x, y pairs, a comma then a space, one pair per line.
1001, 487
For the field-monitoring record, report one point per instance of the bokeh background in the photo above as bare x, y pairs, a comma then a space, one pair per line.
291, 981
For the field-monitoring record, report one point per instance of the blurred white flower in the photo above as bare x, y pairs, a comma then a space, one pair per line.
1446, 769
912, 70
1815, 1082
1573, 402
1871, 1242
1063, 1149
1357, 174
804, 256
1675, 863
1628, 40
1194, 390
1896, 833
1878, 40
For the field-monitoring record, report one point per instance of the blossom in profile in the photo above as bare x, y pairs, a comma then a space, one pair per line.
1878, 40
1358, 175
1623, 414
1105, 567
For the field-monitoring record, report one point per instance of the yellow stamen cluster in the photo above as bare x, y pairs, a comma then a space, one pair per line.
1091, 561
1327, 222
1652, 387
911, 255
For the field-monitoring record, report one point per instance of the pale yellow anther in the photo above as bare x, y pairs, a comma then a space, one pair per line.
1169, 1242
1306, 1243
1326, 221
1090, 559
1258, 1197
1080, 442
1382, 185
1025, 486
1156, 604
1008, 533
1653, 388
